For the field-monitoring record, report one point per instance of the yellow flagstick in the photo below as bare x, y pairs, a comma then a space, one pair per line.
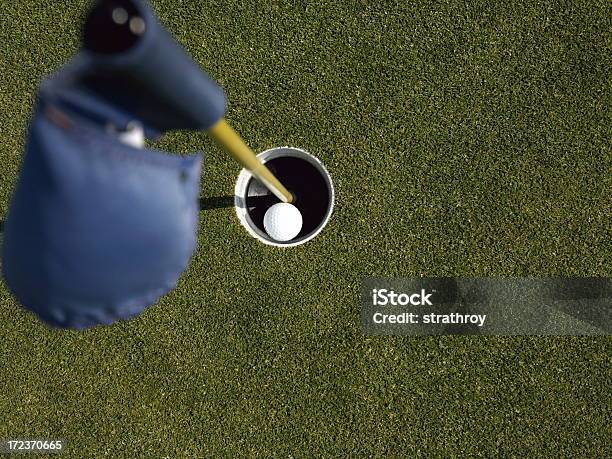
223, 133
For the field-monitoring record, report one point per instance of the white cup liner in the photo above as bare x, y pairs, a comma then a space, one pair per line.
242, 186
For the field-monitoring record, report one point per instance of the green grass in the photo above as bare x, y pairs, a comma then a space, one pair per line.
464, 140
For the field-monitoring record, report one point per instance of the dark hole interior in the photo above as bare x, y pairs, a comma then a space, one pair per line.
102, 34
307, 184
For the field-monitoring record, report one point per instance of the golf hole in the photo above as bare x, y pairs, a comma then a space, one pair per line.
304, 176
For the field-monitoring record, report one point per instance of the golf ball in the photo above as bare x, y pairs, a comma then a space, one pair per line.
283, 221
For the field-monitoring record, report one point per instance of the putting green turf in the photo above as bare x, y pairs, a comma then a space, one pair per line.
463, 141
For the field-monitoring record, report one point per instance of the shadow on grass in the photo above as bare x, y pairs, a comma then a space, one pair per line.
216, 202
220, 202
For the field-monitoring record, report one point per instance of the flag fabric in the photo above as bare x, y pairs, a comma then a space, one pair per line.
98, 230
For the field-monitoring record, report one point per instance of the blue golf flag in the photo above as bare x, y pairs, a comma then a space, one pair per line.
98, 230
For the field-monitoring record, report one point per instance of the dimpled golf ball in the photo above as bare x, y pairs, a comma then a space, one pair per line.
283, 221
